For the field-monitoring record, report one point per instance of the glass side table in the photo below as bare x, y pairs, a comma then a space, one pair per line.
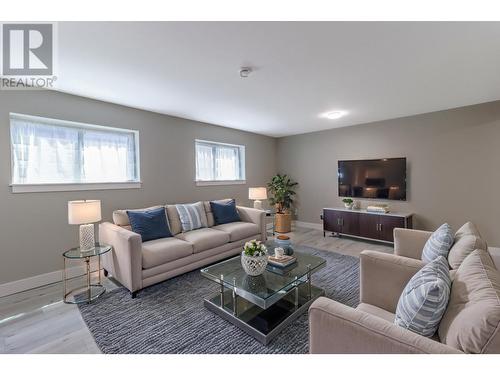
89, 292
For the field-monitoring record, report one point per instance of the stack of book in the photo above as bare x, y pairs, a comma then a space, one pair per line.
282, 262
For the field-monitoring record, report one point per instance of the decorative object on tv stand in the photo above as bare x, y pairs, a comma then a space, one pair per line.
282, 189
356, 205
257, 194
254, 258
381, 208
348, 203
85, 213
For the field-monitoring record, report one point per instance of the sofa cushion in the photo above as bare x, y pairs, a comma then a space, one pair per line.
151, 224
467, 239
424, 299
471, 322
225, 212
238, 230
208, 210
192, 216
438, 244
120, 217
204, 238
164, 250
377, 311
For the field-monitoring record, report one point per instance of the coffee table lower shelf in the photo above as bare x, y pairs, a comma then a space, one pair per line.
264, 324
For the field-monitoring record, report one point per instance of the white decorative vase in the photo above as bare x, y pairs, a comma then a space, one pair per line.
253, 266
348, 205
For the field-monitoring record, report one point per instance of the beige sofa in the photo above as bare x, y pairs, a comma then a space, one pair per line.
136, 264
471, 323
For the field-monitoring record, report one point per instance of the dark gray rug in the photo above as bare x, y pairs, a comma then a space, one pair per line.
170, 317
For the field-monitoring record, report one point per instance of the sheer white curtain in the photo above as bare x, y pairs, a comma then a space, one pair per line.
108, 157
227, 163
43, 153
218, 162
204, 162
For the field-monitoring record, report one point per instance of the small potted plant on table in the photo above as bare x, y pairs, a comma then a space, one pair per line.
254, 258
348, 203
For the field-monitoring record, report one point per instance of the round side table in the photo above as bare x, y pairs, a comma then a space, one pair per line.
89, 292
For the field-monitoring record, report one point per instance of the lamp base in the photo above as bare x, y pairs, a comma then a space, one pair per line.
87, 240
257, 204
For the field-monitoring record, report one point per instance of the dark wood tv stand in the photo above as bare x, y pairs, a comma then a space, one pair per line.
363, 224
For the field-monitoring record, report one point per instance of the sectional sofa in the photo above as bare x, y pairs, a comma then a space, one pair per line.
136, 264
471, 323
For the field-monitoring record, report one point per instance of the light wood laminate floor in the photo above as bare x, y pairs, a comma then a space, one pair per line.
37, 321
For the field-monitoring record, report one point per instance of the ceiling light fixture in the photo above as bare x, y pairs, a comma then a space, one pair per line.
334, 115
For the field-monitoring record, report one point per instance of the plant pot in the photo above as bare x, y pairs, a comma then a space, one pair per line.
349, 205
283, 223
253, 266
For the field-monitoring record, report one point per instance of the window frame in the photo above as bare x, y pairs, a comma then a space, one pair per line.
74, 186
242, 161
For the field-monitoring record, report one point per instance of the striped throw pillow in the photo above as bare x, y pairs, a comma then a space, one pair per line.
424, 299
192, 216
438, 244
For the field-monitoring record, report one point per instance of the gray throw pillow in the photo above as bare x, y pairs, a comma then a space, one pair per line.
438, 244
192, 216
424, 299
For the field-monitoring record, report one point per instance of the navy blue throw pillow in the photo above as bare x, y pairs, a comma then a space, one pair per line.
151, 224
224, 212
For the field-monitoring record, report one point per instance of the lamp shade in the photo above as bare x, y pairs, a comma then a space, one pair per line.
84, 212
257, 193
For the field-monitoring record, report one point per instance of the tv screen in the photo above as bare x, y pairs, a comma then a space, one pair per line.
377, 178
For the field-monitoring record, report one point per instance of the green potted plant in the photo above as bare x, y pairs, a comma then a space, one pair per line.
348, 202
254, 257
282, 190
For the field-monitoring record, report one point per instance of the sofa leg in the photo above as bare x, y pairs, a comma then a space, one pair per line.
106, 273
133, 294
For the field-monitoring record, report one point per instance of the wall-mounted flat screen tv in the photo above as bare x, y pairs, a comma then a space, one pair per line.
376, 178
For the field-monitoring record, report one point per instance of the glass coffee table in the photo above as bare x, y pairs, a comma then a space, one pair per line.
264, 305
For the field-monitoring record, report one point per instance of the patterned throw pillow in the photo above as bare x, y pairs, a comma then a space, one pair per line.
424, 299
438, 244
192, 216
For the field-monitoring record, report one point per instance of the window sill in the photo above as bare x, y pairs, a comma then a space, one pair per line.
216, 183
38, 188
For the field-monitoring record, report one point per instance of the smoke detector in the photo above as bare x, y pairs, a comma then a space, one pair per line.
245, 71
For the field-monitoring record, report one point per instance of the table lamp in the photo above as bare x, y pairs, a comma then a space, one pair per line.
257, 194
85, 213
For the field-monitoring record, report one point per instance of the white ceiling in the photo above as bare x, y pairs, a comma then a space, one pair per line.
375, 70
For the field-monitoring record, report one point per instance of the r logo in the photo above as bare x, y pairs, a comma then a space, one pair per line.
27, 49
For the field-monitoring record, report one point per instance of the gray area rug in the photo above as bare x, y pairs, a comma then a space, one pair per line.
170, 317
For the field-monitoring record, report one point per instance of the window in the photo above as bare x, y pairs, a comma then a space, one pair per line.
55, 155
219, 163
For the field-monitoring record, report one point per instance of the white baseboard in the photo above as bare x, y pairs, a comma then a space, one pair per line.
305, 224
41, 280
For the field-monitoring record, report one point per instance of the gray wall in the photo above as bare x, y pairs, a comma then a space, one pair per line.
33, 227
453, 165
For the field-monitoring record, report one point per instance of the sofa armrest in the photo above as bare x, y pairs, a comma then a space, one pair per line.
124, 262
410, 242
335, 328
384, 276
495, 255
252, 215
